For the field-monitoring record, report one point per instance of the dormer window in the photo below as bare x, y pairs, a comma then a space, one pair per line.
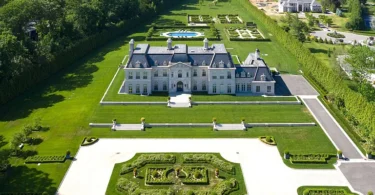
138, 64
229, 64
156, 63
263, 77
165, 63
221, 64
237, 75
204, 63
243, 74
214, 65
248, 74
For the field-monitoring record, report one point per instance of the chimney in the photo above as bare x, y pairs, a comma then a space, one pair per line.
131, 46
169, 43
205, 43
257, 54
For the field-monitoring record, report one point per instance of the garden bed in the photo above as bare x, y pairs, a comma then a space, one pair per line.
180, 177
45, 159
241, 33
89, 141
199, 19
270, 140
329, 190
229, 19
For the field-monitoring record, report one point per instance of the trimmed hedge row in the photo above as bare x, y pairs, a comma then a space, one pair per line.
272, 140
331, 81
182, 39
129, 187
310, 158
209, 158
144, 159
45, 159
177, 26
256, 39
311, 190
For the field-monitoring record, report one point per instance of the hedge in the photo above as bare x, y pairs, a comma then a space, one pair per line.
89, 141
209, 158
177, 26
190, 175
182, 39
310, 158
144, 159
318, 190
256, 39
355, 103
164, 179
45, 159
263, 139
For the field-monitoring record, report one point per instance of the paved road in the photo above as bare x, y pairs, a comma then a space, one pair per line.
360, 175
333, 130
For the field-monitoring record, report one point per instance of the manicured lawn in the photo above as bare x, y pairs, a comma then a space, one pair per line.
320, 50
140, 181
69, 100
295, 139
202, 114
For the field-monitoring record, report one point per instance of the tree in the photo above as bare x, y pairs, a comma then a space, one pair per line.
328, 21
17, 139
4, 162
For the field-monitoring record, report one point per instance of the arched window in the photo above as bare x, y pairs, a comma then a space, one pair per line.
194, 72
130, 76
156, 86
180, 74
229, 89
165, 74
229, 75
187, 74
144, 75
203, 73
195, 88
204, 87
137, 89
156, 74
214, 88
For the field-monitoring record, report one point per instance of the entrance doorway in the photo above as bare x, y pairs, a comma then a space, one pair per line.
180, 86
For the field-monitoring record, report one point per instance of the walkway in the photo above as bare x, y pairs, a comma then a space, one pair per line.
179, 100
361, 175
337, 135
94, 164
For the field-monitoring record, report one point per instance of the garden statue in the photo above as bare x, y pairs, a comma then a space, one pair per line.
217, 173
143, 123
177, 172
135, 172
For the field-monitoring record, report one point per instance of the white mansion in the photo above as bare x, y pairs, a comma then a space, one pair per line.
299, 6
181, 68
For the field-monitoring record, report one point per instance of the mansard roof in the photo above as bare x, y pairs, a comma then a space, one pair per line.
144, 56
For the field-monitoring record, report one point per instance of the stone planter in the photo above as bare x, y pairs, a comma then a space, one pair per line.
286, 156
142, 126
339, 156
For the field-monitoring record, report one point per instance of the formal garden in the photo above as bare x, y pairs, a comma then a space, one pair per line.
177, 173
205, 19
229, 19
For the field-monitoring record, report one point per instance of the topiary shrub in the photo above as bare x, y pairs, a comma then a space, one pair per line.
268, 139
197, 175
155, 174
370, 193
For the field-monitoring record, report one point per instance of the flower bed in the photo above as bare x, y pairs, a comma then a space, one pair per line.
195, 175
158, 176
270, 140
310, 158
144, 159
200, 19
209, 158
233, 19
89, 141
45, 159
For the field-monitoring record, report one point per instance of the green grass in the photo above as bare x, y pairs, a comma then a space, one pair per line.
346, 189
179, 162
320, 51
69, 100
202, 114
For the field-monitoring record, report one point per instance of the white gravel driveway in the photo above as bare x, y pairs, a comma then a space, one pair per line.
264, 171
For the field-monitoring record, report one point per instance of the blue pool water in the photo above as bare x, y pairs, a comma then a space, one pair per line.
182, 34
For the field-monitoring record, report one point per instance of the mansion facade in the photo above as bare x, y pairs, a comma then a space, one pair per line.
180, 68
299, 6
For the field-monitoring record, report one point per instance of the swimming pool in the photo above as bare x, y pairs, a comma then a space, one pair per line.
182, 34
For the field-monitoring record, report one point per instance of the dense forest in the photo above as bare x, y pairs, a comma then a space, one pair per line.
39, 37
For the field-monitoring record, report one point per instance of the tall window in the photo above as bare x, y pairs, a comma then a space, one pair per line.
180, 74
137, 75
243, 87
172, 74
144, 89
203, 73
268, 89
257, 89
214, 77
214, 88
165, 73
156, 73
204, 87
144, 75
137, 90
229, 89
156, 86
248, 87
130, 88
164, 86
237, 87
195, 72
130, 75
195, 86
222, 77
187, 74
229, 75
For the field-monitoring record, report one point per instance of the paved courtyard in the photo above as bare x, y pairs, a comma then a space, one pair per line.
349, 37
361, 175
287, 84
261, 164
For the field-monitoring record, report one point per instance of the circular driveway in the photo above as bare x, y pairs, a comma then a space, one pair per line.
261, 164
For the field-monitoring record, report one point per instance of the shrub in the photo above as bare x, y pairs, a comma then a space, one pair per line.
339, 152
214, 119
89, 141
336, 35
143, 119
370, 193
209, 158
310, 158
45, 159
144, 159
268, 139
286, 152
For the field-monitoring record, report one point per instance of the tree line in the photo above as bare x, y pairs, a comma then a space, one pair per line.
39, 37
